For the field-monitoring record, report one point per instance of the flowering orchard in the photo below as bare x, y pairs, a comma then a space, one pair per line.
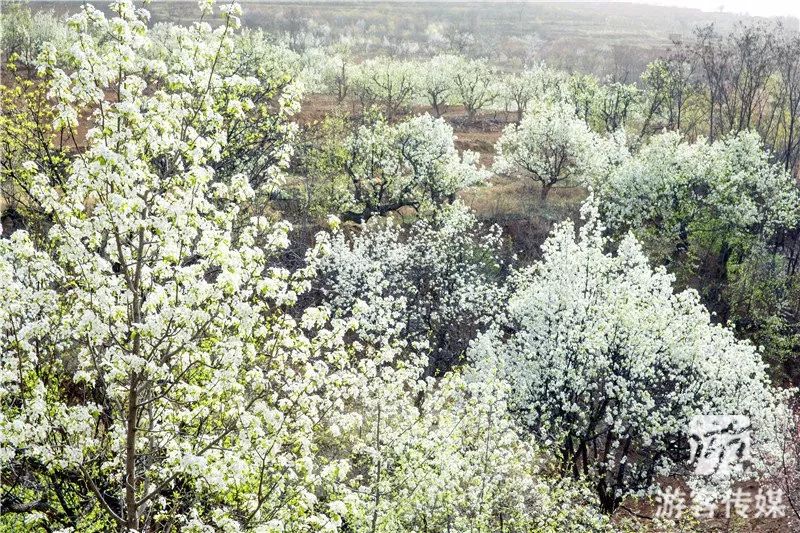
174, 358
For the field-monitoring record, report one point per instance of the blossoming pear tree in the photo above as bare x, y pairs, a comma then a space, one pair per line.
721, 216
256, 116
583, 90
616, 104
606, 362
550, 146
151, 377
435, 82
411, 164
336, 72
387, 83
447, 454
729, 188
429, 287
475, 85
538, 83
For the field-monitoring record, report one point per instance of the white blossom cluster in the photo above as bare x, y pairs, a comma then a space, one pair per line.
608, 364
446, 454
730, 182
427, 288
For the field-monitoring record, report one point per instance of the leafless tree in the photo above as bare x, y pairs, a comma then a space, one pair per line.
788, 65
736, 69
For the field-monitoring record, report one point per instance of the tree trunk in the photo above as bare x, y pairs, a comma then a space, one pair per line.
436, 107
544, 191
790, 142
374, 525
711, 120
132, 516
